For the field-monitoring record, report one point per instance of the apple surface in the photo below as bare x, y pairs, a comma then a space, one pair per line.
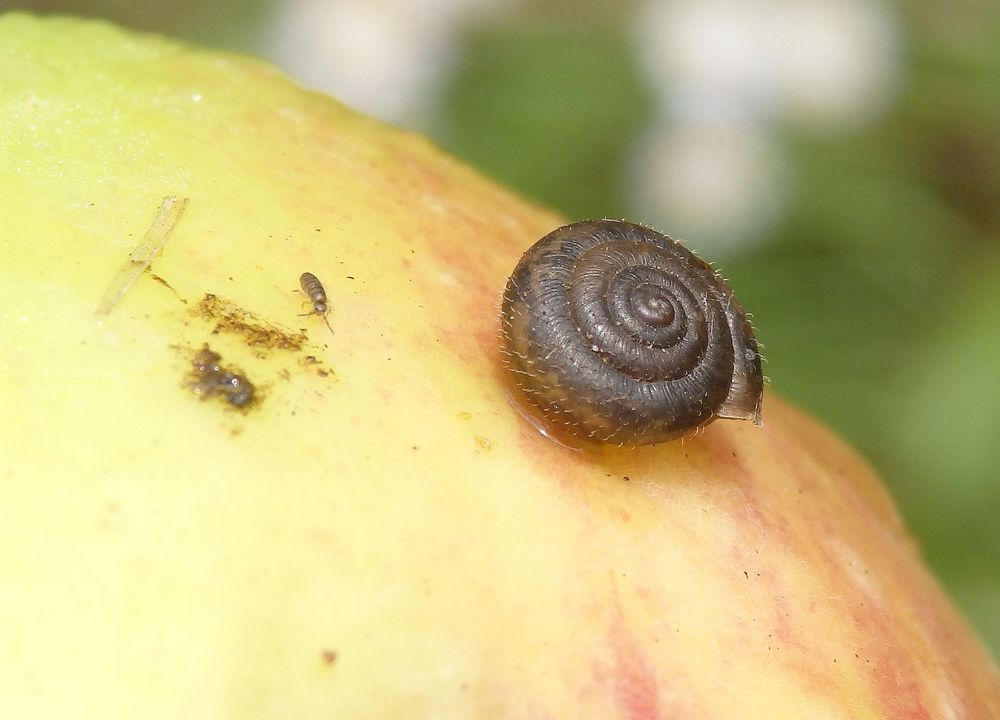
376, 532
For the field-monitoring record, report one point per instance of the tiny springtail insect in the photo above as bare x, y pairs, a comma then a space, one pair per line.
314, 290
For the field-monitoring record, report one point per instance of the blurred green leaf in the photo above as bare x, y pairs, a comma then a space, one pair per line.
230, 24
550, 110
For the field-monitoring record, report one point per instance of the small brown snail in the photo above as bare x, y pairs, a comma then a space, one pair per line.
618, 334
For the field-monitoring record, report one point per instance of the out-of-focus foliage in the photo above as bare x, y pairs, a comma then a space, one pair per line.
230, 24
876, 290
551, 110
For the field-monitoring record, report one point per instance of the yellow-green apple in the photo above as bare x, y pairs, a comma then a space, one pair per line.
378, 533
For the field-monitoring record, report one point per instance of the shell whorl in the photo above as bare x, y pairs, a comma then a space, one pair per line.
618, 334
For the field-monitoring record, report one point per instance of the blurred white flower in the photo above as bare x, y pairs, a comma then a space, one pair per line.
720, 184
822, 61
385, 57
724, 71
708, 58
841, 62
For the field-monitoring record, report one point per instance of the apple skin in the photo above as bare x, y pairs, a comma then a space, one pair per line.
381, 534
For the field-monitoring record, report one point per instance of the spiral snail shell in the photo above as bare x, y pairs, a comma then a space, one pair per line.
618, 334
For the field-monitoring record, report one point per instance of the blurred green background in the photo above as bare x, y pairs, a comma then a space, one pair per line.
838, 159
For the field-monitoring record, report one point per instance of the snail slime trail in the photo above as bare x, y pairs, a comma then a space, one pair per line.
615, 333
